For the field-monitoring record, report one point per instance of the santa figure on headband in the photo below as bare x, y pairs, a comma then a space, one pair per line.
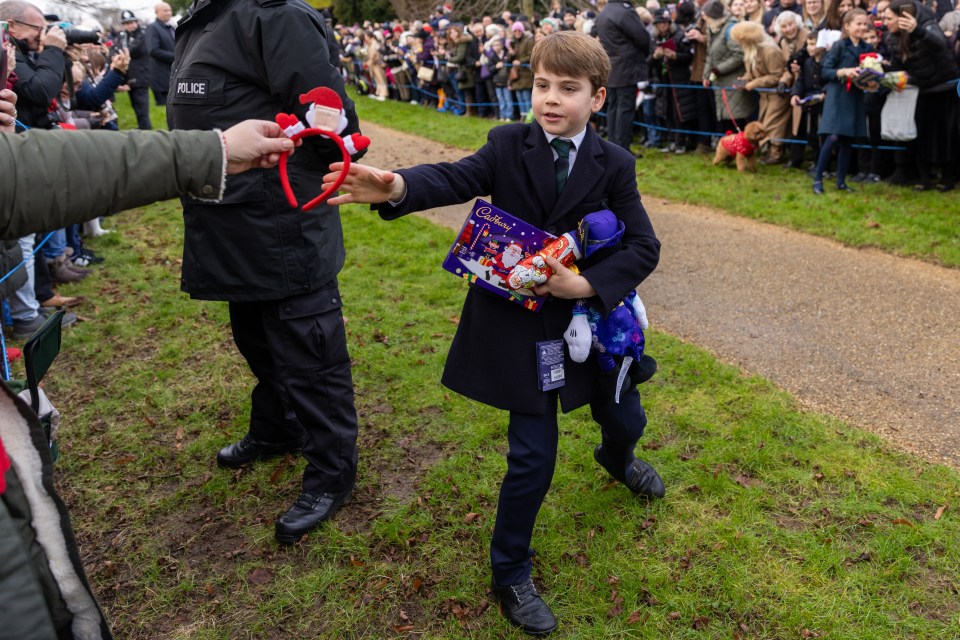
326, 112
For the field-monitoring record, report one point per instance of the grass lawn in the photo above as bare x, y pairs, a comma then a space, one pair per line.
777, 523
894, 219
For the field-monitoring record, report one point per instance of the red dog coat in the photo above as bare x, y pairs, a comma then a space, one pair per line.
737, 144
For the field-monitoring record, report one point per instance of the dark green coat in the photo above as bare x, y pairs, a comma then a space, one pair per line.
47, 177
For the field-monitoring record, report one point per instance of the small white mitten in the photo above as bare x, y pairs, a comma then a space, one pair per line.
578, 336
641, 312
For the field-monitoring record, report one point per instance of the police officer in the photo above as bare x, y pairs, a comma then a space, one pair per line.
275, 265
138, 73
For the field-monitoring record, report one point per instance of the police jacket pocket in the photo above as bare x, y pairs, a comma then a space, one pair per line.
251, 186
315, 303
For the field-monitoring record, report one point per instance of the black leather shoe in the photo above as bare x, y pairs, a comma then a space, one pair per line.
640, 478
523, 606
845, 187
308, 512
818, 188
249, 450
644, 480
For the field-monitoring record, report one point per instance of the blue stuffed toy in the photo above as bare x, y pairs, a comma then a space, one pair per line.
617, 335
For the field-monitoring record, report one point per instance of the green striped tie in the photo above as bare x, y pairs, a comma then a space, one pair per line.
562, 164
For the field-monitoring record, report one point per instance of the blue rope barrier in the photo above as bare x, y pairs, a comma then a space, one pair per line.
645, 125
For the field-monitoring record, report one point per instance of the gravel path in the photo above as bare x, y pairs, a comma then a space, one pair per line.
858, 334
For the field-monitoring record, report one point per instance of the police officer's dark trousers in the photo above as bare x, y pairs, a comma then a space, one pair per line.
140, 101
297, 349
531, 459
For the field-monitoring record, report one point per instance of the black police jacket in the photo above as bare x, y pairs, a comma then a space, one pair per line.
239, 59
138, 74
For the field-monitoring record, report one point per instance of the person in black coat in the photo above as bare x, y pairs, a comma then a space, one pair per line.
670, 65
918, 46
160, 37
518, 167
807, 99
138, 73
273, 264
627, 42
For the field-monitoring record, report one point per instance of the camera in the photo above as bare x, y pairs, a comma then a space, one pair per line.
76, 35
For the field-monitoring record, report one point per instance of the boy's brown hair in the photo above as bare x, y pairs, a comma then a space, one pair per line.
573, 54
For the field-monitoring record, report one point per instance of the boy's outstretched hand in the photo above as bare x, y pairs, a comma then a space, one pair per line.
564, 283
365, 184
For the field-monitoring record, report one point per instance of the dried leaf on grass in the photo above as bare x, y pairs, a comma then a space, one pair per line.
260, 575
746, 481
939, 513
638, 617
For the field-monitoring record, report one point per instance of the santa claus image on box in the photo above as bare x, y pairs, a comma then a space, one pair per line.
504, 262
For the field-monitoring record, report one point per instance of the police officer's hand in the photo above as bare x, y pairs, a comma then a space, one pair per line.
365, 184
564, 283
8, 111
54, 37
253, 144
121, 61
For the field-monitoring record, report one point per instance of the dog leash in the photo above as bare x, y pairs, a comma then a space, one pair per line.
723, 94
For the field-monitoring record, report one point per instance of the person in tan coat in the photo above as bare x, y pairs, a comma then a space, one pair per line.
765, 66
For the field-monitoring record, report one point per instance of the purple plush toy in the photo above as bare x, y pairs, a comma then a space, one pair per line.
620, 332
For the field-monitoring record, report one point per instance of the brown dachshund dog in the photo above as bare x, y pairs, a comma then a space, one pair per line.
741, 146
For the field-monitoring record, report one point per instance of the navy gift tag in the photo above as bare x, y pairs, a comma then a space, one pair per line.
550, 365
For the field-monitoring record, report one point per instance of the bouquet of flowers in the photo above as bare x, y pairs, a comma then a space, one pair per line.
871, 76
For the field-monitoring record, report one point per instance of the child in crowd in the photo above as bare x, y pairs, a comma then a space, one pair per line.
843, 113
497, 61
807, 100
551, 173
871, 160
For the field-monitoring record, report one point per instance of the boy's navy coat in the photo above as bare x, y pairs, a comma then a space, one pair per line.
493, 355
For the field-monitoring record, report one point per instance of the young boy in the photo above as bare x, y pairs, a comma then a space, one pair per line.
807, 87
551, 173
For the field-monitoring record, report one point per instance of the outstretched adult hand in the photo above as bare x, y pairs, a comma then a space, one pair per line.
365, 184
254, 144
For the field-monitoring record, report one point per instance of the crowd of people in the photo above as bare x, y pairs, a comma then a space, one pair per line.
67, 77
684, 74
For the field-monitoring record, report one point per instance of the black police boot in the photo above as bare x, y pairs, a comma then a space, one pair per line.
523, 606
250, 449
308, 512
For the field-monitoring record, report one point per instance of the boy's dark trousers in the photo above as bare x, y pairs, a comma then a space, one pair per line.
530, 463
809, 123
